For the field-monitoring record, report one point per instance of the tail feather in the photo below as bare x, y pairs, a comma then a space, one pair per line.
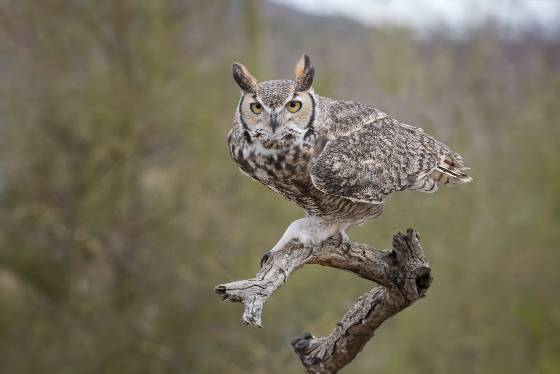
447, 173
453, 174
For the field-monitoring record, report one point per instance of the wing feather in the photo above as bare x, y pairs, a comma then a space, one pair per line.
378, 158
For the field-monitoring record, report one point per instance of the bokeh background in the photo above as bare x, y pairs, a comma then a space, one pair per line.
120, 208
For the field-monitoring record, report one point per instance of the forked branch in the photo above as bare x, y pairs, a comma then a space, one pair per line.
403, 275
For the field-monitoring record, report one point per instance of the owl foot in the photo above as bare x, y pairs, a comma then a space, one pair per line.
345, 242
310, 231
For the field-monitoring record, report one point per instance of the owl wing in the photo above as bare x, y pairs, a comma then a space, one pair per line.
379, 157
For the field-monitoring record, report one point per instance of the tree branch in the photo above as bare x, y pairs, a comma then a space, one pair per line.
403, 275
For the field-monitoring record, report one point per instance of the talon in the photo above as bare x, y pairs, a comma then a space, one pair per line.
345, 242
265, 258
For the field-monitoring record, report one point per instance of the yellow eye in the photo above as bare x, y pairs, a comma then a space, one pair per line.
294, 106
256, 107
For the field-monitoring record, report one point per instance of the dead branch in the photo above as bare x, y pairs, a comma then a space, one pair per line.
403, 275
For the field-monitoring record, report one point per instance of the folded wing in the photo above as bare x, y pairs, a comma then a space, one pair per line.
382, 157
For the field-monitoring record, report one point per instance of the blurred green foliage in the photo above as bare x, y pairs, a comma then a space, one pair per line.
120, 209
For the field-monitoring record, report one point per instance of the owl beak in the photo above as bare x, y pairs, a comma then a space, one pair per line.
273, 122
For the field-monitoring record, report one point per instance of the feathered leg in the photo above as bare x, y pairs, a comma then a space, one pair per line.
310, 231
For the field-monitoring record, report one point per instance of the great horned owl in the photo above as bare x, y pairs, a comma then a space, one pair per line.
338, 160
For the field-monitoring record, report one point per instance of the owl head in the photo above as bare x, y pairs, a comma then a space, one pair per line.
276, 112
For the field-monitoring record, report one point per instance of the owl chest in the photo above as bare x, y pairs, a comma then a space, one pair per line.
285, 170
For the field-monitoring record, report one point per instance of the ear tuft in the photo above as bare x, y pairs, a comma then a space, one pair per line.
304, 73
243, 78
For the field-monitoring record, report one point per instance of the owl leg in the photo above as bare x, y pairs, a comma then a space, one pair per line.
310, 231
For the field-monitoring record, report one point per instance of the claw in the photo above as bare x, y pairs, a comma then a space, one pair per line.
265, 258
345, 242
346, 246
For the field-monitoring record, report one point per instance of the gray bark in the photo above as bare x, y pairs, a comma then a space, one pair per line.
403, 275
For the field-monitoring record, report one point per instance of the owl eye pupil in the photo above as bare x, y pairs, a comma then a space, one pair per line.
256, 107
294, 106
